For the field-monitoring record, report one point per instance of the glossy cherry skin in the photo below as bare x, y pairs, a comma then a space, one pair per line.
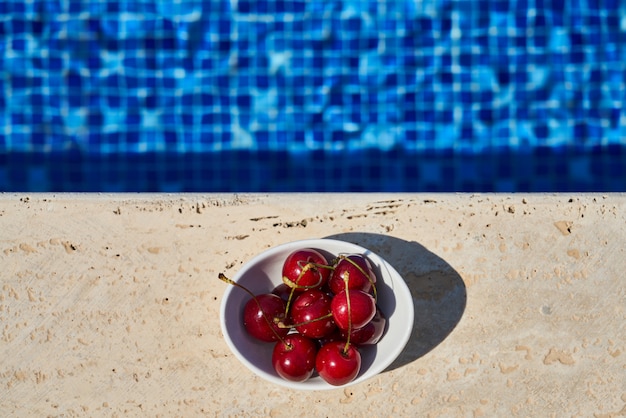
300, 270
370, 334
361, 310
294, 359
261, 314
307, 309
336, 366
283, 291
356, 270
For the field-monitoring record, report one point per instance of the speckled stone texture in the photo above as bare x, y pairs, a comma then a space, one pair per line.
109, 304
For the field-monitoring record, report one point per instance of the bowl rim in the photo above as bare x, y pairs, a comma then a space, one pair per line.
400, 291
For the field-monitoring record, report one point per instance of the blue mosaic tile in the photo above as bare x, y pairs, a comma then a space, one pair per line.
268, 95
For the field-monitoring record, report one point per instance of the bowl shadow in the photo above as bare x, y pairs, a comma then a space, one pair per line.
438, 291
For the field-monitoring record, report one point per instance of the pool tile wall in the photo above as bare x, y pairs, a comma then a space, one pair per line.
291, 95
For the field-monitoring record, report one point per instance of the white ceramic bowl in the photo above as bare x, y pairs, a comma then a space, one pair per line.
262, 273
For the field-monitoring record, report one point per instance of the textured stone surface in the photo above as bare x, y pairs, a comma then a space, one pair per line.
109, 304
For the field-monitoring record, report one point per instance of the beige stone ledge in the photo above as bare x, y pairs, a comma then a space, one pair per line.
109, 304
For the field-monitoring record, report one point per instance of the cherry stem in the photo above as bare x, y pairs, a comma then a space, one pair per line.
328, 315
363, 272
324, 266
288, 305
294, 285
225, 279
347, 346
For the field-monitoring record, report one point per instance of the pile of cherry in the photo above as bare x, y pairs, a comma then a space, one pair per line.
319, 317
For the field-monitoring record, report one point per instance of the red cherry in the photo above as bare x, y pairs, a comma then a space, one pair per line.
355, 314
261, 311
294, 358
311, 309
370, 334
334, 336
356, 271
337, 363
333, 310
283, 291
304, 269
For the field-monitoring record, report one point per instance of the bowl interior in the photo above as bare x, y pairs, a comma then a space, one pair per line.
262, 273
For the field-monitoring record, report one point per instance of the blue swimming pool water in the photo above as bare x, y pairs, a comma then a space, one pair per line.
295, 95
